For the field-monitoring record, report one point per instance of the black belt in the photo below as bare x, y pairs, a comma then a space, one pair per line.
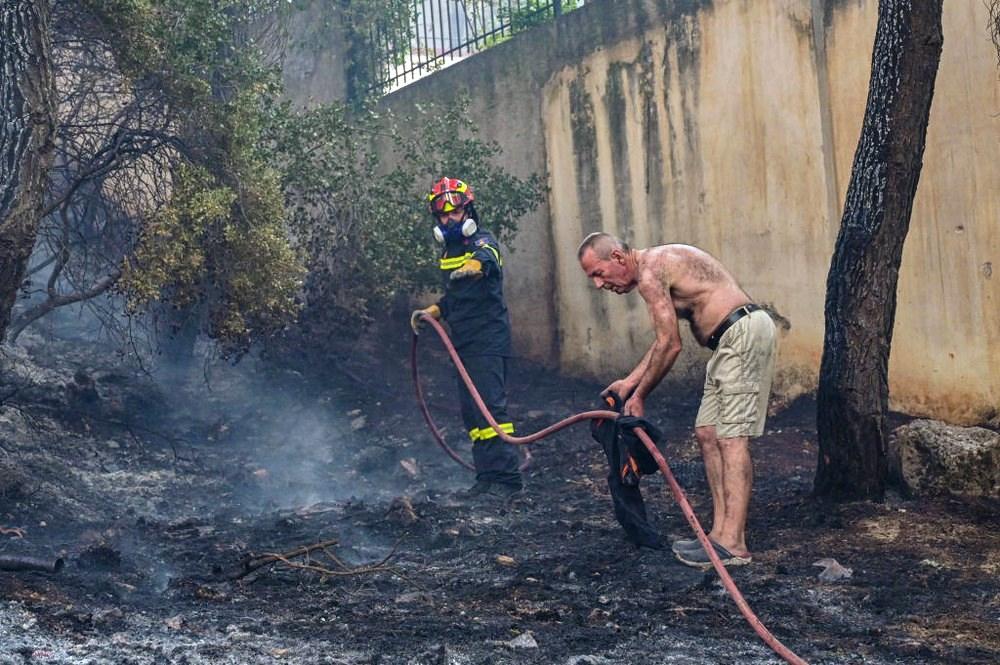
734, 316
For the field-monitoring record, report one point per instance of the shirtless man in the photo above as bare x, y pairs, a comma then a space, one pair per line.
684, 282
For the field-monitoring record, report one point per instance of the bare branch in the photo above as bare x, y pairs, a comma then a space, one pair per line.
59, 300
41, 266
302, 559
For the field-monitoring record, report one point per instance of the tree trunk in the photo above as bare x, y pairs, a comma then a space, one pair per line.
861, 286
27, 125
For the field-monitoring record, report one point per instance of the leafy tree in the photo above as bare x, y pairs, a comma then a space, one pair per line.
160, 108
356, 182
26, 130
179, 175
861, 287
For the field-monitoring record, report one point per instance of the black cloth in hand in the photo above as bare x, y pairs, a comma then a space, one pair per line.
628, 459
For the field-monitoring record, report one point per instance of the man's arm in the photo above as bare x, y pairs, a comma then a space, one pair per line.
655, 290
625, 387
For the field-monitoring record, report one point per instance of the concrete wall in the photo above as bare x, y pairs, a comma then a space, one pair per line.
732, 125
313, 54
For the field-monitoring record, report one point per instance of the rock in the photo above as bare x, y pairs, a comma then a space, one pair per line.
505, 560
415, 597
358, 423
598, 617
930, 457
410, 467
523, 641
832, 571
108, 616
587, 660
401, 511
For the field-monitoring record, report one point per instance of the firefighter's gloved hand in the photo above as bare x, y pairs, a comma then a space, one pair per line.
471, 269
417, 322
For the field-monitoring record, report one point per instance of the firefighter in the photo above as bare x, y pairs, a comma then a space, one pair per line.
474, 308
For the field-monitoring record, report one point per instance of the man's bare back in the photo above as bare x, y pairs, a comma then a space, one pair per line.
701, 290
681, 281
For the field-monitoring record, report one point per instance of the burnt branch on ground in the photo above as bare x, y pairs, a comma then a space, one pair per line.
311, 558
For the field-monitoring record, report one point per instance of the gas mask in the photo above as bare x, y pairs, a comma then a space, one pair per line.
453, 232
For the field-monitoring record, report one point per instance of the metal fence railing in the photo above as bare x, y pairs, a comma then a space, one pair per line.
427, 35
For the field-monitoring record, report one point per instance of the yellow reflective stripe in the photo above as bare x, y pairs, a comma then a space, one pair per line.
489, 432
474, 433
496, 254
453, 262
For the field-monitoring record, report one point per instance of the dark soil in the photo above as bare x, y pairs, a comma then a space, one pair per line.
156, 491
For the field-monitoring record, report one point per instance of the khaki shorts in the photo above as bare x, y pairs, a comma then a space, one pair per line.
738, 378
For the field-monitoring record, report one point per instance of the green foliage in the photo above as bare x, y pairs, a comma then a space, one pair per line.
380, 33
528, 15
364, 225
259, 273
189, 47
346, 183
195, 251
170, 252
221, 241
533, 13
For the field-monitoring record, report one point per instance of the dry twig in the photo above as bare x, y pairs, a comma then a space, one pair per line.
332, 566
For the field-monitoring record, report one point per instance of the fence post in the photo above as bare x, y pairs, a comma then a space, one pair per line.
557, 7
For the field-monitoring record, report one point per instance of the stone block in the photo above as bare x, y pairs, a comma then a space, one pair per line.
930, 457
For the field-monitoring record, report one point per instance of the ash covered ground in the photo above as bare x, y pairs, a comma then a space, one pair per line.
160, 492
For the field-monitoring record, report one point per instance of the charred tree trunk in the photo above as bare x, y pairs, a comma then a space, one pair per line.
27, 125
861, 286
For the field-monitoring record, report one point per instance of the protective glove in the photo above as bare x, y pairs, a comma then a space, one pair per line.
470, 269
416, 322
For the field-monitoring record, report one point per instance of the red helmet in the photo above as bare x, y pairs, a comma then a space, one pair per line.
449, 194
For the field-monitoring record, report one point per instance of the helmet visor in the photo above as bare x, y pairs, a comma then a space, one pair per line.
448, 202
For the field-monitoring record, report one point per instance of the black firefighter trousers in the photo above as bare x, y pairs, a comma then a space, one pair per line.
495, 460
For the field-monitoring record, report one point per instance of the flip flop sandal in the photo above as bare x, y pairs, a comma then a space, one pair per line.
690, 544
699, 558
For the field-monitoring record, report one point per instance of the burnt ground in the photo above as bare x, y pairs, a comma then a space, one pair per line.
155, 489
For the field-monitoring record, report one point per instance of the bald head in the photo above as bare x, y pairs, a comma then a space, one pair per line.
602, 244
608, 262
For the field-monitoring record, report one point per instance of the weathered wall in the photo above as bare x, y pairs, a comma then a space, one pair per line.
732, 125
314, 55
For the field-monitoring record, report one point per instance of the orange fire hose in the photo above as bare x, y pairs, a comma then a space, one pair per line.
675, 488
